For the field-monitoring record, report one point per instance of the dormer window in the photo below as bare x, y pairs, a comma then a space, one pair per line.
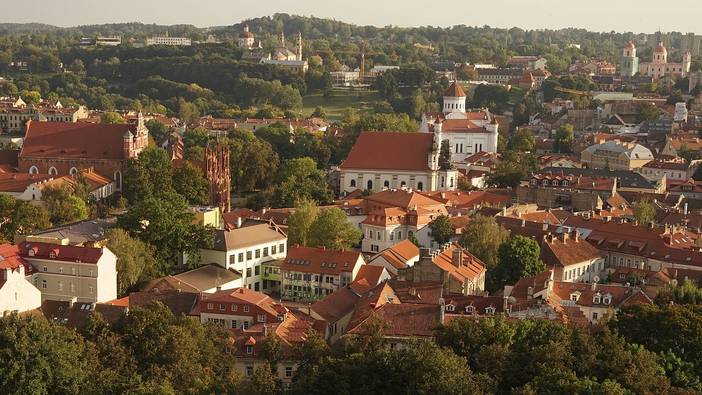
597, 299
470, 309
607, 300
52, 255
565, 183
533, 182
450, 307
544, 183
490, 310
249, 349
575, 296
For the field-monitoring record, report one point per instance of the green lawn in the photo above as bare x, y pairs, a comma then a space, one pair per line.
340, 99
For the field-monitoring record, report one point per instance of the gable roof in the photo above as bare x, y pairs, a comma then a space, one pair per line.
390, 151
252, 232
454, 90
61, 253
320, 260
74, 140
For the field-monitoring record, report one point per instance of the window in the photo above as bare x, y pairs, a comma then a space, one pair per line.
369, 184
273, 250
249, 349
234, 307
245, 325
420, 186
256, 286
594, 316
261, 318
61, 269
257, 270
281, 248
43, 284
248, 255
265, 251
258, 254
490, 310
352, 184
288, 371
249, 371
209, 306
90, 289
60, 286
222, 307
248, 272
450, 307
45, 268
241, 257
232, 259
386, 184
246, 308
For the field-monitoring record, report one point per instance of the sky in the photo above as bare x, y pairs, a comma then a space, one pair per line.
599, 15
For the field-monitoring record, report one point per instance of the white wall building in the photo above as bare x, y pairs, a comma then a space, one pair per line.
245, 248
16, 293
167, 40
468, 132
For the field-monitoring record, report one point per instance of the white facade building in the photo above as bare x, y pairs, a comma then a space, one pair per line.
16, 293
468, 132
245, 248
167, 40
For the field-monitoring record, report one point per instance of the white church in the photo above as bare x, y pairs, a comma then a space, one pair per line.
468, 132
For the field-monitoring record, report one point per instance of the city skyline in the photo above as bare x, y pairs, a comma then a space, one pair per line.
620, 16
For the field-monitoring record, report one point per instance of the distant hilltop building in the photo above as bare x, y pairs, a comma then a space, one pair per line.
168, 40
287, 59
103, 41
246, 39
658, 67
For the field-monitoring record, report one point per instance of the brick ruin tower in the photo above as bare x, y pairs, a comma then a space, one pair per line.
218, 176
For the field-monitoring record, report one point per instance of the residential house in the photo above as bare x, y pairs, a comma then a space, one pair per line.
204, 279
245, 249
64, 272
453, 266
395, 215
16, 293
553, 189
309, 273
616, 155
676, 170
398, 256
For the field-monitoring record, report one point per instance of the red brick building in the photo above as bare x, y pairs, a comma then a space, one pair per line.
62, 148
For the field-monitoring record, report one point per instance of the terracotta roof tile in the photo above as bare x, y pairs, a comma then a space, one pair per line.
390, 151
74, 140
320, 260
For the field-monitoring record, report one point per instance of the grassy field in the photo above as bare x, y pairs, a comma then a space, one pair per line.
340, 99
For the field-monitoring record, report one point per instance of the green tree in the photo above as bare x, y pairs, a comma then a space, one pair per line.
300, 179
445, 162
40, 357
332, 229
111, 117
189, 182
20, 218
441, 229
148, 175
63, 206
300, 222
519, 257
483, 237
252, 161
647, 112
319, 113
188, 112
157, 130
136, 260
522, 140
165, 222
644, 212
564, 138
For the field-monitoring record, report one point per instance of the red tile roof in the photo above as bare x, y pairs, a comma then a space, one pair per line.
19, 182
390, 151
455, 90
60, 252
320, 260
368, 276
74, 140
469, 269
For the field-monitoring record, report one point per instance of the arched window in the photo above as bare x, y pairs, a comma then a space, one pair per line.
386, 184
52, 170
33, 170
420, 186
451, 182
403, 184
73, 171
118, 179
353, 183
369, 184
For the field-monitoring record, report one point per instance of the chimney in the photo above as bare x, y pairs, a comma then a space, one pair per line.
238, 222
576, 235
505, 298
457, 257
563, 236
530, 292
685, 210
